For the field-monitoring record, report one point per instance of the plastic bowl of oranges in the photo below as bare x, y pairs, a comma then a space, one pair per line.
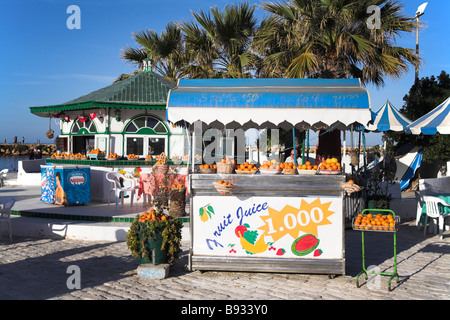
376, 222
270, 167
307, 168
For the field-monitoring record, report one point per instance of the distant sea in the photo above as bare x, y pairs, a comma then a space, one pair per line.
11, 162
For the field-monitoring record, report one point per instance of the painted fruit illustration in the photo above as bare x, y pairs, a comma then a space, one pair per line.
304, 244
206, 212
240, 230
248, 240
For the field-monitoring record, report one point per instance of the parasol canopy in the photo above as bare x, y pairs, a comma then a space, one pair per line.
437, 120
270, 103
388, 118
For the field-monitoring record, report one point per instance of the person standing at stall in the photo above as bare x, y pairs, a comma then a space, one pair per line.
292, 157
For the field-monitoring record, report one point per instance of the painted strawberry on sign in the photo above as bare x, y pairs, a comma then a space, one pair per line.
317, 252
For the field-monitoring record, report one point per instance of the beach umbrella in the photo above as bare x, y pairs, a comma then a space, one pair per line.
437, 120
388, 118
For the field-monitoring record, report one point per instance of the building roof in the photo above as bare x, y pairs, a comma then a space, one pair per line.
145, 90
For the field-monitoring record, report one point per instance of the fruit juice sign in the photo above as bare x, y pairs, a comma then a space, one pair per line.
289, 227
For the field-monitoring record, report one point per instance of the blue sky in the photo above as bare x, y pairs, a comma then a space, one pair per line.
42, 62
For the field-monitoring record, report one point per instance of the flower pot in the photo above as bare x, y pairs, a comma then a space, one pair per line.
153, 246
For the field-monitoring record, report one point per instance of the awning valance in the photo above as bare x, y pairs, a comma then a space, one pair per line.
269, 103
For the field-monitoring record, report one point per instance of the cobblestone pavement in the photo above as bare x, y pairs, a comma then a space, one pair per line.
38, 269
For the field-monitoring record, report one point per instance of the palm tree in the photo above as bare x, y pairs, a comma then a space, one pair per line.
330, 39
165, 50
219, 42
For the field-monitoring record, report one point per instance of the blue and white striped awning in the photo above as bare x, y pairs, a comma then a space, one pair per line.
269, 103
437, 120
388, 118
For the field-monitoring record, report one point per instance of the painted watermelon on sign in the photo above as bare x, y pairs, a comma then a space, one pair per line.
305, 244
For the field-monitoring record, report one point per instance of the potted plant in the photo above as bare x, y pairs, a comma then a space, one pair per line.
155, 238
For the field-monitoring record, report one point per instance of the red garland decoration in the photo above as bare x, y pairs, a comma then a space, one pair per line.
82, 118
66, 118
92, 115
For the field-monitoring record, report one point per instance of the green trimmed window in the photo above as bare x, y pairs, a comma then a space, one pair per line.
84, 127
146, 125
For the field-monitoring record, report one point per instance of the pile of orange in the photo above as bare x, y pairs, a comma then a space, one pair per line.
269, 165
151, 216
307, 166
79, 155
208, 166
378, 222
148, 157
330, 164
160, 162
246, 166
287, 165
224, 182
96, 151
227, 160
113, 156
177, 186
132, 157
161, 157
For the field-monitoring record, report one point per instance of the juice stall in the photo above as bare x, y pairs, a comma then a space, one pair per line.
266, 221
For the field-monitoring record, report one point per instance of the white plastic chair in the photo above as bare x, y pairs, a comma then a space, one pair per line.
419, 200
433, 212
5, 209
129, 185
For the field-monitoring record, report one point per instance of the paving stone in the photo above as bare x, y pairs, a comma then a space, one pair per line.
37, 269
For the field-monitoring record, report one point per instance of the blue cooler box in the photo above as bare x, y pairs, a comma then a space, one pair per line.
76, 183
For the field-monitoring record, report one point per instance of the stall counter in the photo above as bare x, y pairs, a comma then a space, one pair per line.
269, 223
